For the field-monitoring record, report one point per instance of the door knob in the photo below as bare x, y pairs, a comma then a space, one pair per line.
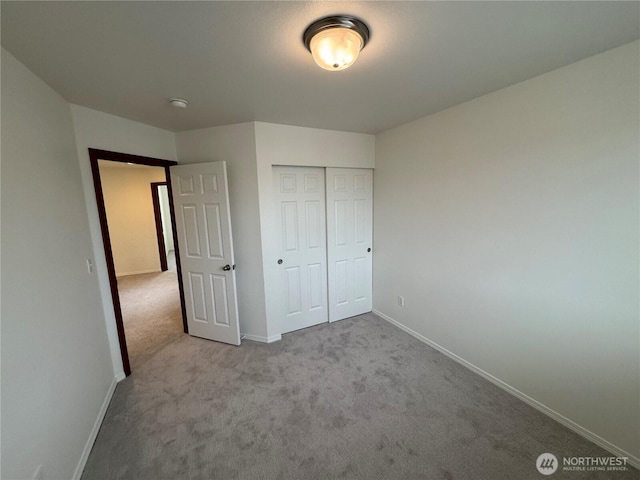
279, 261
369, 249
226, 268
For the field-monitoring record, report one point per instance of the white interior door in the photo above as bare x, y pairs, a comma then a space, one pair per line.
302, 257
203, 223
349, 241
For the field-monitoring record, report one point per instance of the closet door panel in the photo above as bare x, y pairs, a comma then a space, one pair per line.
349, 241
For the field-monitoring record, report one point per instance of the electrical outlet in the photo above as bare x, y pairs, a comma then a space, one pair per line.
401, 300
38, 474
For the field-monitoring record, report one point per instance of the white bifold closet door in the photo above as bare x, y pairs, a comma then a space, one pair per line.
349, 241
302, 246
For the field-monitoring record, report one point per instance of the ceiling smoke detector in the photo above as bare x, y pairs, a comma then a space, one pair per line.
178, 103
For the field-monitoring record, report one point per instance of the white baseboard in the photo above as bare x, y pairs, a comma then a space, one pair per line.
583, 432
258, 338
94, 431
138, 272
120, 376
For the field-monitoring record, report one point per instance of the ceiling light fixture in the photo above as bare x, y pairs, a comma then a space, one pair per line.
178, 103
335, 42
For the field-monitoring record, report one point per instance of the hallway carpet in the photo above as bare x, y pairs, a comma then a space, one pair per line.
151, 313
356, 399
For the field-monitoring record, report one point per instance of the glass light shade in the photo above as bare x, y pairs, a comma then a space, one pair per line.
336, 48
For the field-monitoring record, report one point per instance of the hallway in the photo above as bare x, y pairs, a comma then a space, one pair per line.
150, 305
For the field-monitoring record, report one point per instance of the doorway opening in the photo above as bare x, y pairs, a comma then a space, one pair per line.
135, 208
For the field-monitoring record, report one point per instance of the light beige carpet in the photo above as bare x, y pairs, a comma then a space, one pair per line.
151, 313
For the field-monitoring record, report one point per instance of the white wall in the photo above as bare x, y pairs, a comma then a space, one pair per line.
235, 144
129, 205
56, 366
165, 212
250, 150
510, 224
288, 145
99, 130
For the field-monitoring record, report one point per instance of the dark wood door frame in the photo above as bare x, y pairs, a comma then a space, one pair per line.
157, 213
94, 156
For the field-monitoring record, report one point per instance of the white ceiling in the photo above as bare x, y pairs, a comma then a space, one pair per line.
242, 61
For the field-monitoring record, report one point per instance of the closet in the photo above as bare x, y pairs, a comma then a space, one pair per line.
323, 222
